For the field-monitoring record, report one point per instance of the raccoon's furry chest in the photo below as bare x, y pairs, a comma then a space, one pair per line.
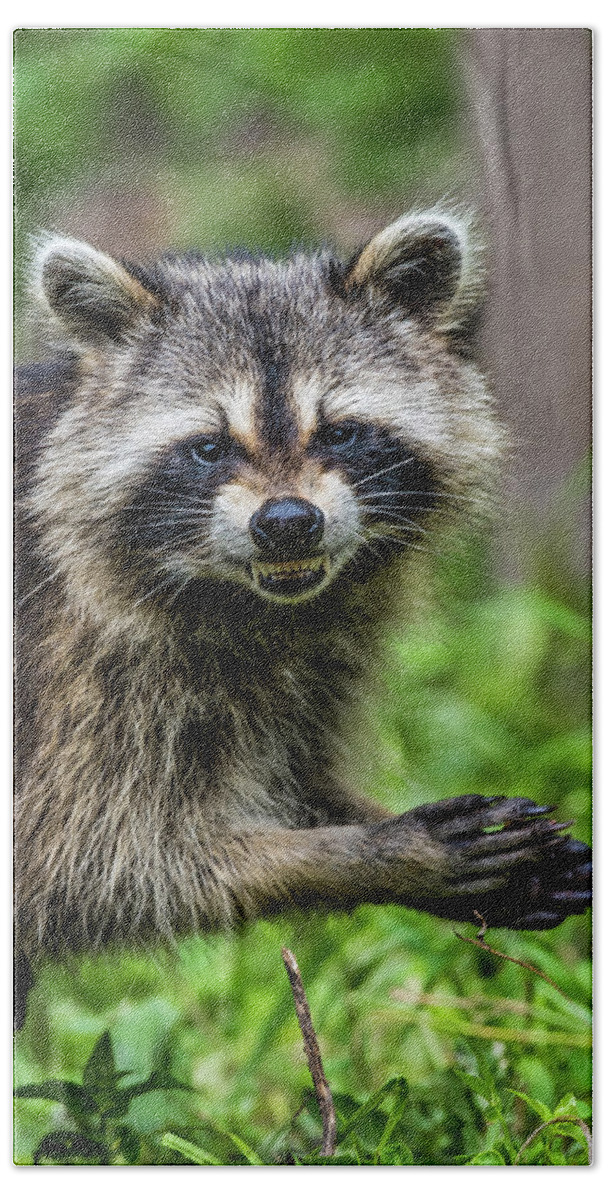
234, 729
144, 762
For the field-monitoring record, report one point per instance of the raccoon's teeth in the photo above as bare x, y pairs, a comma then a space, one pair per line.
289, 568
299, 574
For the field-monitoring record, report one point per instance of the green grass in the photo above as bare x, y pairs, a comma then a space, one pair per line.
491, 695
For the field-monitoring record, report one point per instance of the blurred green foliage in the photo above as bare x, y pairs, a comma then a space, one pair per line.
374, 82
139, 139
97, 99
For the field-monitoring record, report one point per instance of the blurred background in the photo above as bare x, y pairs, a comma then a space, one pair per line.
147, 138
143, 139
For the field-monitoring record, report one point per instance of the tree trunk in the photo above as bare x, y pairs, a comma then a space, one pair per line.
530, 91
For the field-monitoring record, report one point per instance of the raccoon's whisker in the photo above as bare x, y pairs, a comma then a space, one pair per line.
164, 583
393, 495
400, 510
401, 522
168, 508
173, 498
396, 495
407, 543
176, 593
372, 547
451, 496
392, 509
411, 527
411, 545
391, 467
172, 517
170, 498
43, 583
421, 492
367, 537
171, 495
177, 543
402, 492
176, 523
368, 542
396, 515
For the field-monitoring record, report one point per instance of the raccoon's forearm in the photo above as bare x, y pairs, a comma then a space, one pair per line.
459, 858
455, 858
335, 866
236, 877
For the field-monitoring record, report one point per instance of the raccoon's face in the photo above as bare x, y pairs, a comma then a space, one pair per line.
284, 514
263, 423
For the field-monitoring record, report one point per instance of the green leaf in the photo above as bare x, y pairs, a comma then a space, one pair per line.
398, 1083
537, 1106
566, 1107
158, 1081
100, 1069
193, 1153
403, 1155
129, 1144
356, 1153
247, 1152
488, 1158
572, 1130
346, 1106
391, 1123
481, 1087
556, 1157
116, 1105
75, 1098
68, 1146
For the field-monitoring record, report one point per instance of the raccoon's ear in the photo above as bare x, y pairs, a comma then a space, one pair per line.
420, 265
94, 298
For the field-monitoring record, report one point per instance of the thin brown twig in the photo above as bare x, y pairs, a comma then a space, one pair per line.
481, 933
558, 1121
483, 945
313, 1054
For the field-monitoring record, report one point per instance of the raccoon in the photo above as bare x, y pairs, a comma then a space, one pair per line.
227, 473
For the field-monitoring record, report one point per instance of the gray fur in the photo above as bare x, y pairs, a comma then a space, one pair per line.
185, 738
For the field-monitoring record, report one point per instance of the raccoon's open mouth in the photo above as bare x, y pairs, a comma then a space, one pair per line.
290, 580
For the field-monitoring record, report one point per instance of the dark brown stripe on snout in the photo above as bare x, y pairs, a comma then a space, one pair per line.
276, 425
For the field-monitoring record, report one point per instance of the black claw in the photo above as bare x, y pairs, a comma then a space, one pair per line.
579, 848
516, 810
571, 897
584, 868
458, 806
530, 809
540, 920
540, 877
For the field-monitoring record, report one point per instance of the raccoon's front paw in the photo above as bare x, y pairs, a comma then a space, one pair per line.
507, 862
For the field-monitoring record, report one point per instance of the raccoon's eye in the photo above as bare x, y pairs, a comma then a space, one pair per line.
209, 450
338, 436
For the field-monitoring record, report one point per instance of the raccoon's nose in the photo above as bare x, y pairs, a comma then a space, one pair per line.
287, 528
